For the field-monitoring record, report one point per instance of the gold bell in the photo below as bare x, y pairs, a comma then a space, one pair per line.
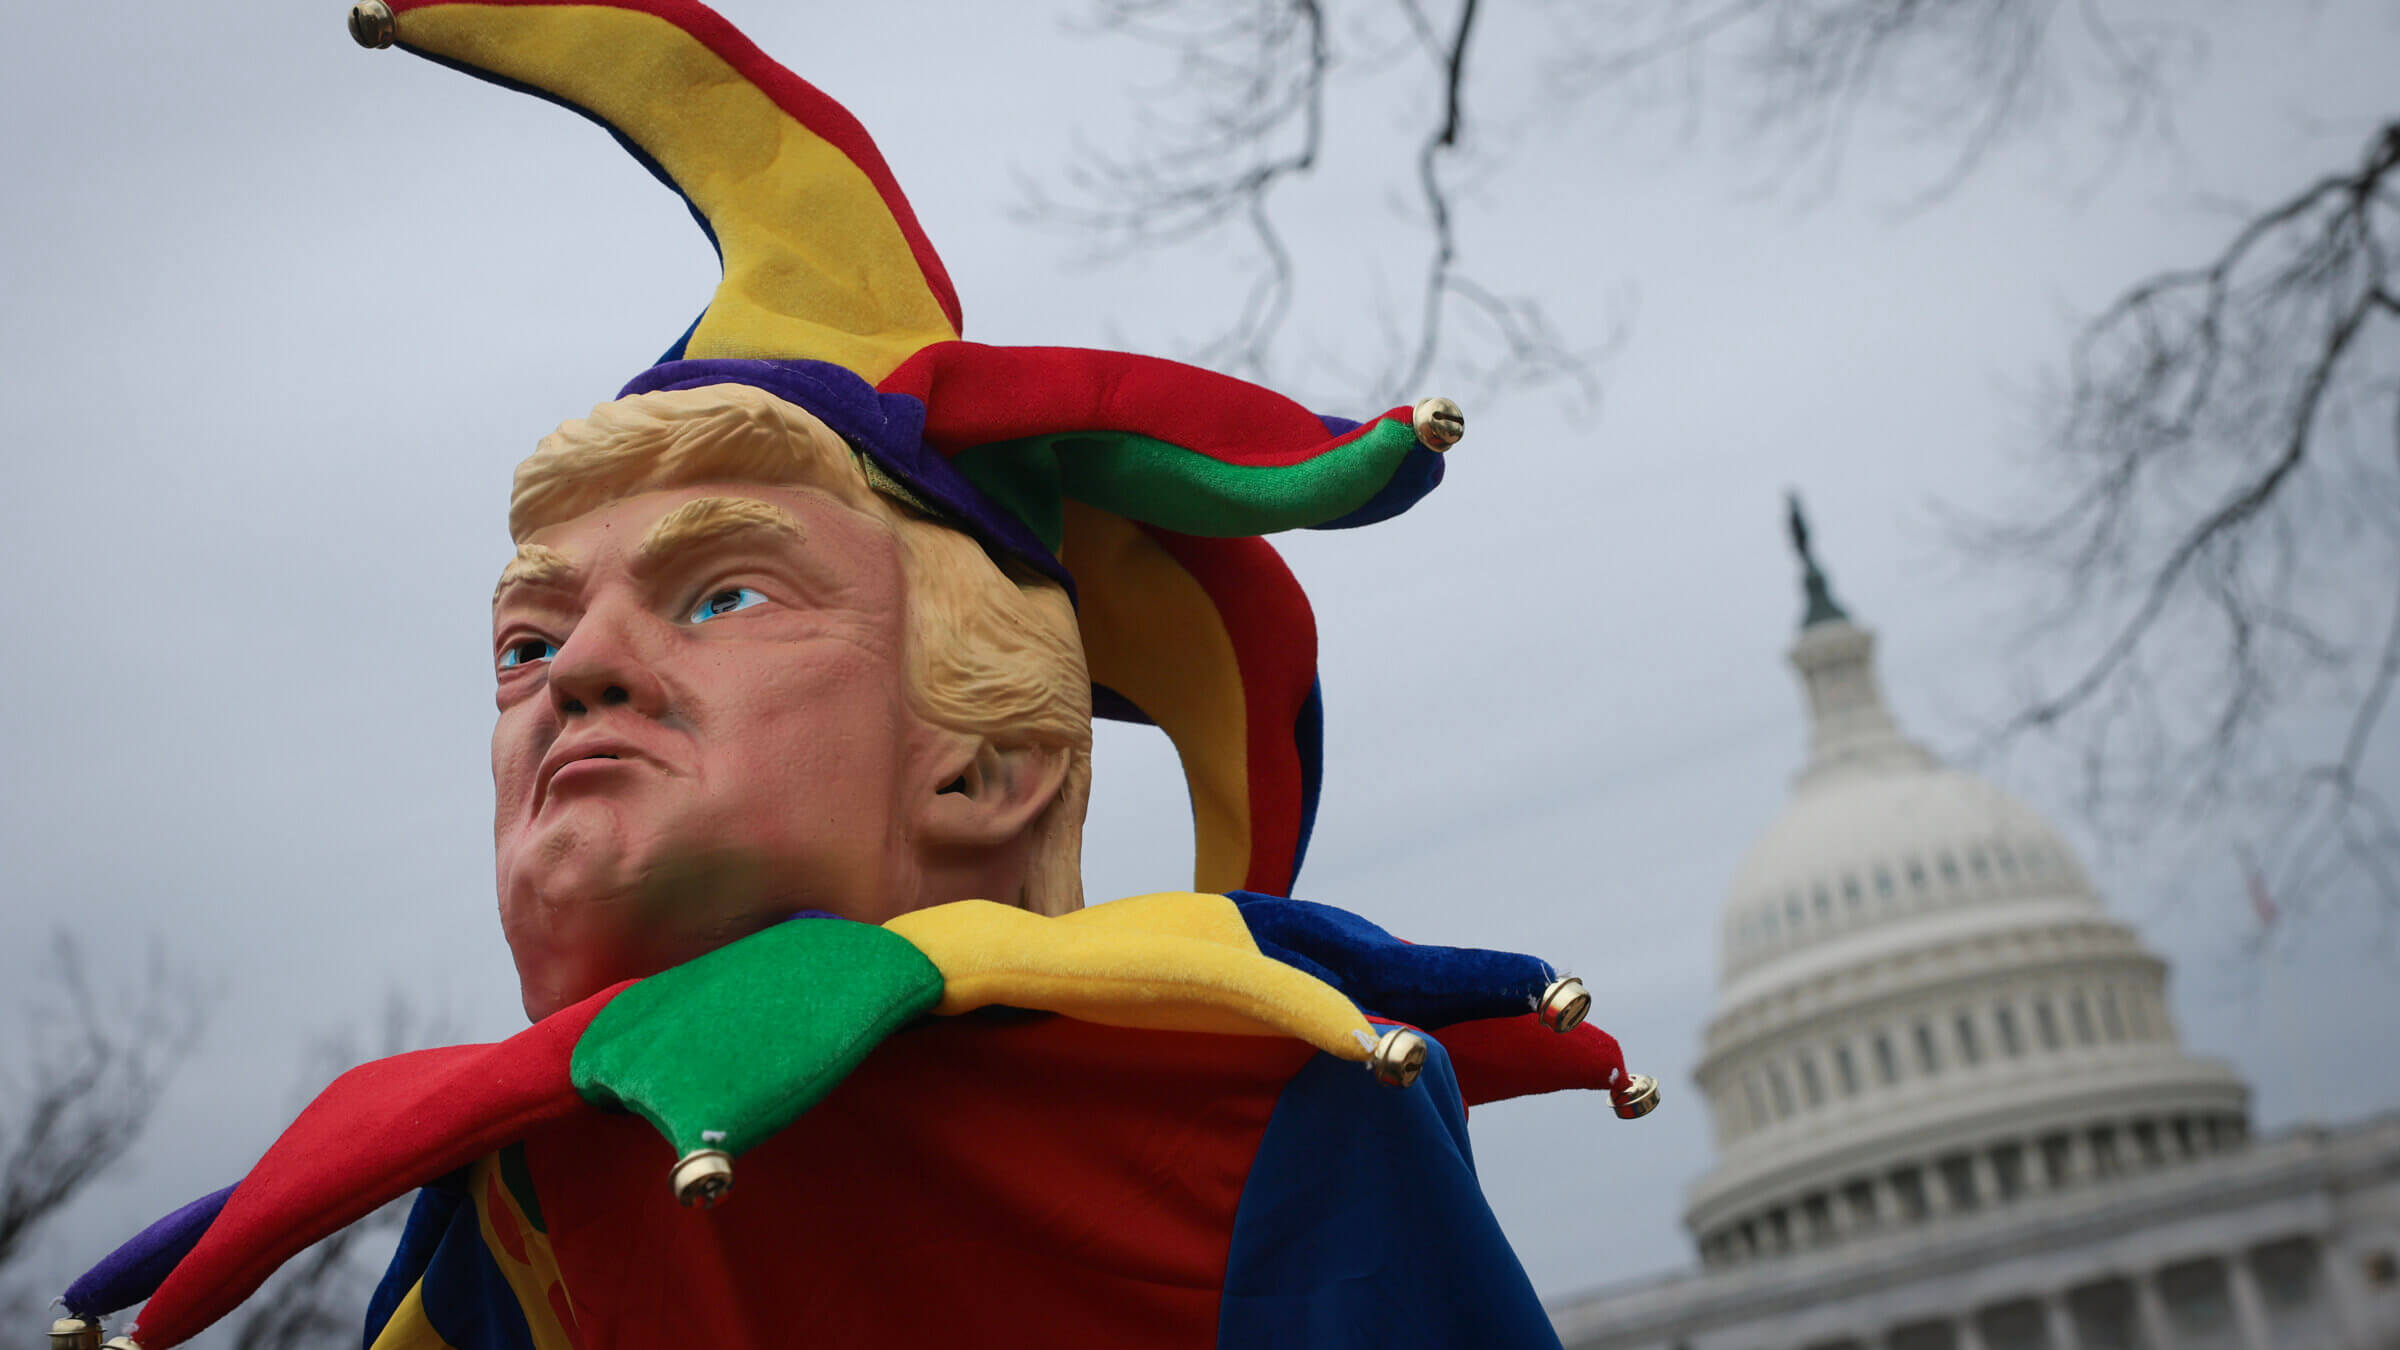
371, 24
1638, 1098
1399, 1057
75, 1333
1565, 1004
1438, 423
702, 1176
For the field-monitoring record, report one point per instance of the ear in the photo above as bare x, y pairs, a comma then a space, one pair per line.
994, 796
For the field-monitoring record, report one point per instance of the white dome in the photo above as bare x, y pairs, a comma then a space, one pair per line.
1854, 850
1922, 1005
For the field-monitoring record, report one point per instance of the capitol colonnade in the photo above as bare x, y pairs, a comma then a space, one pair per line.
2256, 1299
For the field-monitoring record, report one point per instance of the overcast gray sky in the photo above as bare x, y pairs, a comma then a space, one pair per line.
278, 316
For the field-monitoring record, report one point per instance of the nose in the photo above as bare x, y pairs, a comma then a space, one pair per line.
604, 663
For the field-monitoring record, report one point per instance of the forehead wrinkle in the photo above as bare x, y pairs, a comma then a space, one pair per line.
706, 520
536, 564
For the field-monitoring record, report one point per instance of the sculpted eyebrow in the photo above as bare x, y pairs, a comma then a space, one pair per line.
536, 565
707, 520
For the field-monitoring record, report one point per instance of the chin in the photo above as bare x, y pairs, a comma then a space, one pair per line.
566, 957
579, 923
566, 927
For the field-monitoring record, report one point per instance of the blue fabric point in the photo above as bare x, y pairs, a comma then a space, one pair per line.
467, 1299
1424, 986
1362, 1225
1420, 472
428, 1219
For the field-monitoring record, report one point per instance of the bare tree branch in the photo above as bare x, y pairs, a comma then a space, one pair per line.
1258, 76
318, 1301
2206, 494
1245, 118
2200, 482
1964, 76
92, 1069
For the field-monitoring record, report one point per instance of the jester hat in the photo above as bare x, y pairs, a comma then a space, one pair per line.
1139, 484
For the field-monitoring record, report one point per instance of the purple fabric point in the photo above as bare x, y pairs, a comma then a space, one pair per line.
134, 1271
888, 428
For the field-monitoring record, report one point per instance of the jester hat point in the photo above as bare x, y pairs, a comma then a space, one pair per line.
1139, 484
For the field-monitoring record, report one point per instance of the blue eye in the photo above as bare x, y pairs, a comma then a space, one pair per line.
726, 602
524, 651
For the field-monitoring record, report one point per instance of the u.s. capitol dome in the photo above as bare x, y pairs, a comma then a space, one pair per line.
1949, 1105
1922, 1006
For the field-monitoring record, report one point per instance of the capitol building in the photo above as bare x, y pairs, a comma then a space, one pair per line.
1950, 1108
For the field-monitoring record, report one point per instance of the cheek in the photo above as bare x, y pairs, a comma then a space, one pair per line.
516, 758
829, 729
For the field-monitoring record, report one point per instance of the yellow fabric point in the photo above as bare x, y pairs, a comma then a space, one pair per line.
1133, 594
815, 265
1175, 961
1210, 918
409, 1328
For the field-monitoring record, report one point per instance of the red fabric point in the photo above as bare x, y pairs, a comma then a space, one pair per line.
1274, 636
380, 1131
1503, 1057
976, 394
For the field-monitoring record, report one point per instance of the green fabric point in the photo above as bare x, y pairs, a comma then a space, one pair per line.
724, 1051
1023, 478
1182, 490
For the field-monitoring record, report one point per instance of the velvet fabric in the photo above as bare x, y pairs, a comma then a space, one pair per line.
1424, 986
823, 256
888, 428
726, 1050
1504, 1057
448, 1291
378, 1132
132, 1272
1273, 631
1019, 1182
978, 1181
1174, 961
1030, 1113
1362, 1225
833, 298
428, 1220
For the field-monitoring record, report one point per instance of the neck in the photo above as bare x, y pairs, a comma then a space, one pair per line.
996, 874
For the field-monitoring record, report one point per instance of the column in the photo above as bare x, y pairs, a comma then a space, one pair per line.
2061, 1322
1936, 1188
1887, 1201
2079, 1157
1967, 1335
2035, 1167
1845, 1219
2345, 1288
2150, 1312
2249, 1309
1987, 1178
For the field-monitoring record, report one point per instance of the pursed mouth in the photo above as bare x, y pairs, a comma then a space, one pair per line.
552, 768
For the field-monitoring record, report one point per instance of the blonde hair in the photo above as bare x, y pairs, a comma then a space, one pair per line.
988, 654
